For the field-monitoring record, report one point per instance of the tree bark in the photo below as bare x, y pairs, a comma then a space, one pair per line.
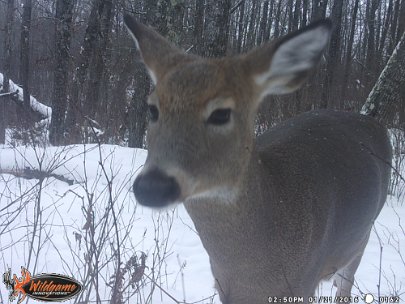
25, 60
252, 23
277, 20
304, 12
241, 26
75, 114
333, 60
401, 20
394, 24
7, 68
349, 49
270, 22
63, 27
156, 15
138, 108
97, 78
388, 94
296, 15
319, 9
217, 27
263, 23
198, 26
385, 28
370, 58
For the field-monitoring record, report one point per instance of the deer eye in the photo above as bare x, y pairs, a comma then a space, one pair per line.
219, 117
153, 113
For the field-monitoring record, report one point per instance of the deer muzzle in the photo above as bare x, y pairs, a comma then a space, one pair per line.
154, 188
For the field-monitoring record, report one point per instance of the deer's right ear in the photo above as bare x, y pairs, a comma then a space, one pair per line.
158, 54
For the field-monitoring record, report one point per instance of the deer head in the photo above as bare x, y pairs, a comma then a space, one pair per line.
201, 131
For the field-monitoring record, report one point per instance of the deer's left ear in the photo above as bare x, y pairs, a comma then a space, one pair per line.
282, 67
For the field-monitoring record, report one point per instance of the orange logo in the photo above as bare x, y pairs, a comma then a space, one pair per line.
15, 285
44, 287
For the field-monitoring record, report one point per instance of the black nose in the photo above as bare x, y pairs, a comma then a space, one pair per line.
155, 189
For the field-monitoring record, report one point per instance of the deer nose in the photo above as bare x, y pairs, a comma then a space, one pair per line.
156, 189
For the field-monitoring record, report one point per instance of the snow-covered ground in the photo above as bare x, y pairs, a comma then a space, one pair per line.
49, 225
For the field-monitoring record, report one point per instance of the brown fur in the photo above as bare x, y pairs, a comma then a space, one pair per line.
276, 214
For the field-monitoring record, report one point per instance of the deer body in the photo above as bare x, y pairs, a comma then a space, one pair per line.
292, 225
276, 214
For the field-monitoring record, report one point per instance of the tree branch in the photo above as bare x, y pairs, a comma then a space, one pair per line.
235, 7
8, 94
29, 173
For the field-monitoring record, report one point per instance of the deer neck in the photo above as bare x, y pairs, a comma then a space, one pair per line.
216, 218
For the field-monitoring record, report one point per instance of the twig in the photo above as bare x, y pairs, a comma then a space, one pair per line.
235, 7
8, 94
164, 291
380, 265
384, 161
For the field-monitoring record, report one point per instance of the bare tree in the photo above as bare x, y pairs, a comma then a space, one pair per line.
97, 80
370, 58
264, 25
75, 114
241, 28
318, 9
7, 67
25, 58
156, 15
64, 14
388, 94
348, 61
333, 57
198, 26
217, 27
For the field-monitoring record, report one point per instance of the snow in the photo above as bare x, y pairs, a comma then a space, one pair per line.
176, 259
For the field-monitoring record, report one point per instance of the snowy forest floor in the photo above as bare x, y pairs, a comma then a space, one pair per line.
70, 210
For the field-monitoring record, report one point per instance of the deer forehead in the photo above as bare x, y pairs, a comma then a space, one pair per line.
200, 86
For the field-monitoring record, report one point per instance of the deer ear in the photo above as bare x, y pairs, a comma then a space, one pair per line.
158, 54
283, 66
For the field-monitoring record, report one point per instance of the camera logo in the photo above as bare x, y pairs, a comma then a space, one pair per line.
44, 287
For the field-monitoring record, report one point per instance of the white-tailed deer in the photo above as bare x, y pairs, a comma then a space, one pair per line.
277, 213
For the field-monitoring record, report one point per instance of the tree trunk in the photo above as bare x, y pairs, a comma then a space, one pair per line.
319, 9
385, 28
332, 65
296, 15
7, 68
252, 23
198, 26
63, 16
263, 23
370, 58
270, 22
289, 10
401, 20
138, 108
156, 15
25, 61
304, 12
389, 91
217, 27
97, 70
394, 24
75, 115
349, 49
277, 20
241, 26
